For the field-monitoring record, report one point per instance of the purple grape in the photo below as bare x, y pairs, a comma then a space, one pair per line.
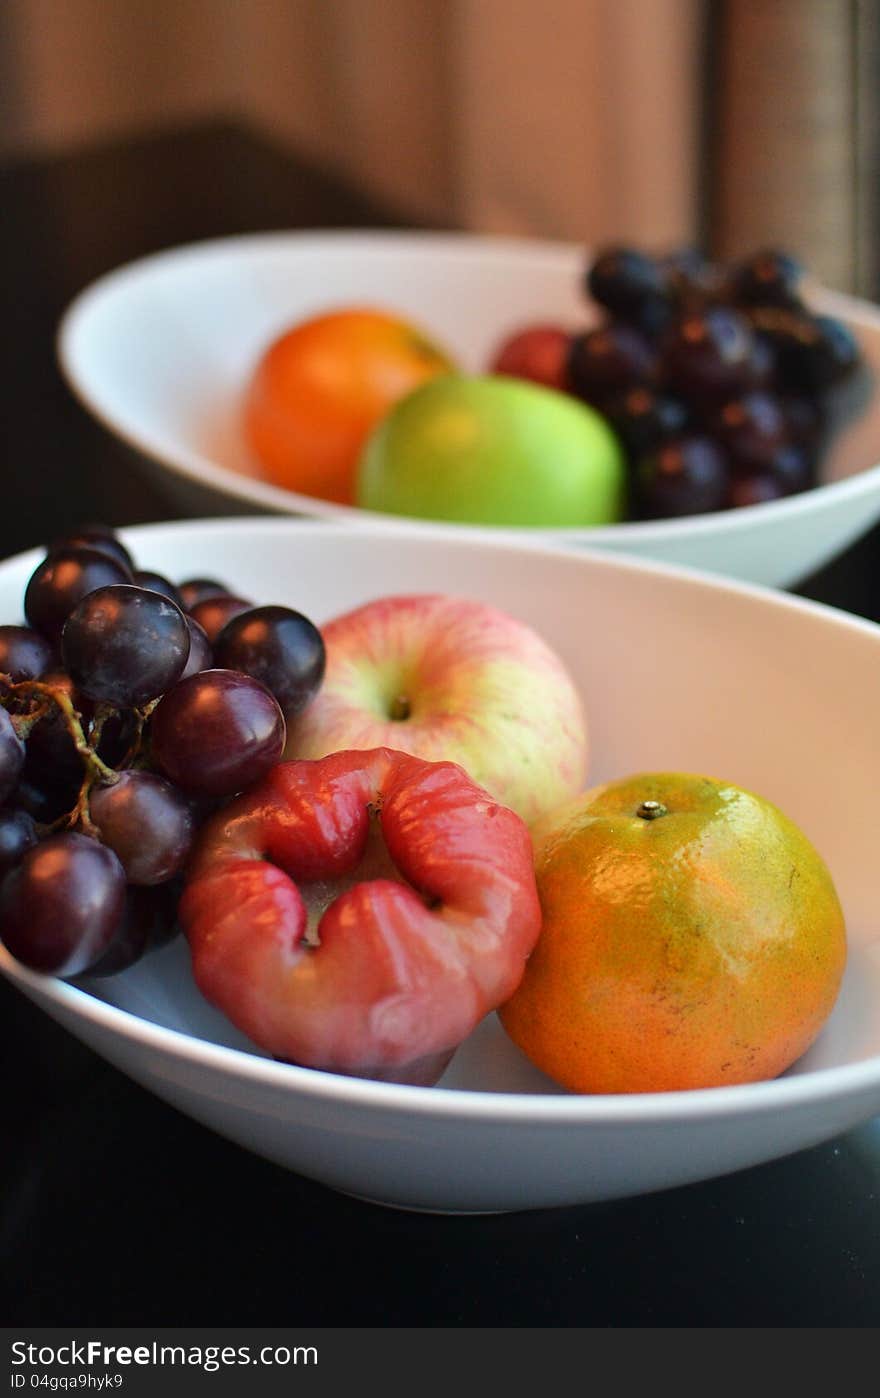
11, 755
792, 467
217, 732
201, 656
148, 922
18, 834
52, 758
200, 589
603, 364
643, 419
24, 653
61, 581
125, 646
685, 477
146, 822
707, 356
621, 279
131, 938
99, 539
767, 278
61, 906
812, 352
156, 582
213, 613
279, 647
632, 286
757, 488
751, 429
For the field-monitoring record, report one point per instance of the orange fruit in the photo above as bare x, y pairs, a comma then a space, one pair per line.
693, 941
319, 389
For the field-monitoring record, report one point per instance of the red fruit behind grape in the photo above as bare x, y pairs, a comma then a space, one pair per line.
538, 353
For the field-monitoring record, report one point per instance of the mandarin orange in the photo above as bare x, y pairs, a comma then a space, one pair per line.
692, 937
319, 388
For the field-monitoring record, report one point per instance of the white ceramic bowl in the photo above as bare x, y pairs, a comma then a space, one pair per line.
678, 671
160, 352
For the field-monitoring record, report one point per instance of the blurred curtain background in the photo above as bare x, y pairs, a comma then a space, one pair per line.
730, 123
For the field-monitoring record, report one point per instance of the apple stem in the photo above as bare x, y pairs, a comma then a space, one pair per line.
399, 708
650, 810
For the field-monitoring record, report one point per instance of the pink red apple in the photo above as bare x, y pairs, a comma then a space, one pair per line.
450, 679
423, 911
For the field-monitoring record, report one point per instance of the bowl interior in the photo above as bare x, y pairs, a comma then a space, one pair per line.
161, 350
677, 672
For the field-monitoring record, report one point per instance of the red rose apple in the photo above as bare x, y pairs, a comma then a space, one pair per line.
362, 913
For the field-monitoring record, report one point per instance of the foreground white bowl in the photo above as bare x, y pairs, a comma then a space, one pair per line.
160, 352
678, 672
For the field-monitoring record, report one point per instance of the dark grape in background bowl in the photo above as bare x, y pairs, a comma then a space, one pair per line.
474, 293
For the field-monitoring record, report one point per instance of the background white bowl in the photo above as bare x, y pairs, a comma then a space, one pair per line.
678, 671
160, 352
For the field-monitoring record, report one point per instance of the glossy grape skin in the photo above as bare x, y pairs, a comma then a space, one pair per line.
200, 589
201, 656
643, 419
626, 282
157, 582
147, 822
793, 467
53, 765
101, 540
125, 646
805, 354
813, 353
52, 758
279, 647
61, 581
603, 364
24, 653
687, 476
767, 278
707, 356
752, 428
213, 613
18, 834
61, 906
148, 922
11, 755
217, 732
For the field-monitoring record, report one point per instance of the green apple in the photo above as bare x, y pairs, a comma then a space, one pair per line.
493, 450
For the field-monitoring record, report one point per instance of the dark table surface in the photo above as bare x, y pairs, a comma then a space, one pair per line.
115, 1209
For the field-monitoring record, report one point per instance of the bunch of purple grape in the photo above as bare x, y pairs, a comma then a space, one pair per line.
716, 378
130, 708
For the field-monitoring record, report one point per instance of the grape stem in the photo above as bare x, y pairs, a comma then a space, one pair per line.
73, 720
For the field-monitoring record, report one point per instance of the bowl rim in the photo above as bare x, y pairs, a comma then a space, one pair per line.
198, 469
466, 1104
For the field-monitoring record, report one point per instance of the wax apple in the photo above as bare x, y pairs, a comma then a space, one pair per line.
493, 450
423, 910
451, 679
